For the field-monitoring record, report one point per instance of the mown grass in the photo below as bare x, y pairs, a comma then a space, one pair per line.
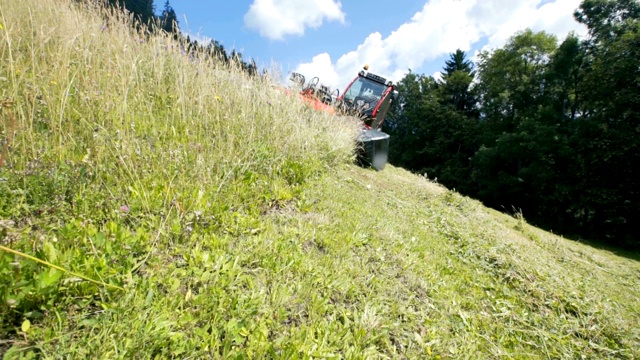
238, 227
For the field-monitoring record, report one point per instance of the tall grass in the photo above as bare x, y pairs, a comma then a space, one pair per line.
89, 90
112, 132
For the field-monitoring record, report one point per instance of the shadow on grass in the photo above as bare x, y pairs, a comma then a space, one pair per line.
630, 248
631, 252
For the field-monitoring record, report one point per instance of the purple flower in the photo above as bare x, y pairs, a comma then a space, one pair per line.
124, 208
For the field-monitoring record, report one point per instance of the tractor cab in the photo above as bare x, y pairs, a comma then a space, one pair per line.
368, 96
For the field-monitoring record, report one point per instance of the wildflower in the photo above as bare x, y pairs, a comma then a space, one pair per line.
124, 208
217, 98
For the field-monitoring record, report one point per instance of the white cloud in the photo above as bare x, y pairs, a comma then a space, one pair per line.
441, 27
276, 19
550, 22
321, 67
437, 75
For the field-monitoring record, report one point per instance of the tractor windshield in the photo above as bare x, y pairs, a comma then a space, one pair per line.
364, 93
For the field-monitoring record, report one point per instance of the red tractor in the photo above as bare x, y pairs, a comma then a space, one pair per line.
367, 97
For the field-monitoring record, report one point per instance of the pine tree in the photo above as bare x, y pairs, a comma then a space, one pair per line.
169, 19
458, 62
455, 86
142, 10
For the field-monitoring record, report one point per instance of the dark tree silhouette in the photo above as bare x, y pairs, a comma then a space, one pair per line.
458, 62
169, 19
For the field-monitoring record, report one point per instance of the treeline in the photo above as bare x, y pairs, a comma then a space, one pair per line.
548, 128
144, 17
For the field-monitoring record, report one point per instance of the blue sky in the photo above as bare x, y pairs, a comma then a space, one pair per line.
333, 39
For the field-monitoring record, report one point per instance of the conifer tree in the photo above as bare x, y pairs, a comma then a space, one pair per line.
169, 19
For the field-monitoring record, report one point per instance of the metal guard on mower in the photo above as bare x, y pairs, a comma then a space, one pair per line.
373, 149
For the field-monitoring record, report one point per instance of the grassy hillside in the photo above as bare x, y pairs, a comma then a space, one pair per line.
218, 217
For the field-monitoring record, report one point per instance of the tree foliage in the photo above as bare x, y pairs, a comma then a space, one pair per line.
551, 128
458, 62
434, 122
142, 10
169, 19
455, 86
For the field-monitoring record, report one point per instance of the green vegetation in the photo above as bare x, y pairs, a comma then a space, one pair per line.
233, 219
548, 127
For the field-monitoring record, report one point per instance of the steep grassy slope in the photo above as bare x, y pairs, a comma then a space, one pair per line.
221, 218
